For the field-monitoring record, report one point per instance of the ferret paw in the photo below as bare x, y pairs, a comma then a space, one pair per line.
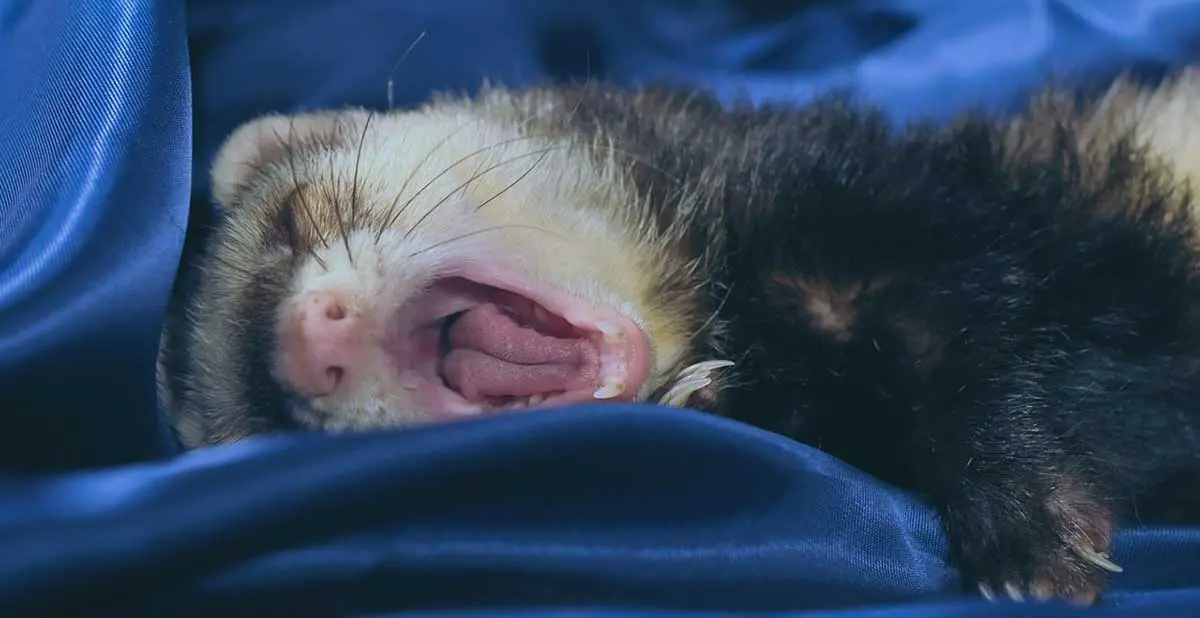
1073, 573
1074, 583
1060, 555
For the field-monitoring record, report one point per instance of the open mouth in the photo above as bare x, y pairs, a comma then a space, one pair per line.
481, 341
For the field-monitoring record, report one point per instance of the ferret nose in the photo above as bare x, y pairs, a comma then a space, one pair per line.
321, 347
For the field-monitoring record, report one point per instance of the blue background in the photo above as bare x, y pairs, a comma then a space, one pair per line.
109, 114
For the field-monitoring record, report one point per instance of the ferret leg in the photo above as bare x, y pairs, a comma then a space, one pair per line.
1026, 517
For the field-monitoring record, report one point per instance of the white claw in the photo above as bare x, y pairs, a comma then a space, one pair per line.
691, 379
1097, 559
1014, 592
609, 390
680, 393
708, 366
986, 591
703, 369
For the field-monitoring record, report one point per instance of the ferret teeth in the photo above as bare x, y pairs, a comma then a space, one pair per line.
612, 333
609, 390
409, 382
536, 399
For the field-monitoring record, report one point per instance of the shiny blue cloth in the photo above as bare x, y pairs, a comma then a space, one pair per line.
109, 113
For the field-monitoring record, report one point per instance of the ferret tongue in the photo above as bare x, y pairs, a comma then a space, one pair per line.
491, 355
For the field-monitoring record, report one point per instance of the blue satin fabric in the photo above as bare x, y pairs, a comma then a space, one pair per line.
94, 169
600, 511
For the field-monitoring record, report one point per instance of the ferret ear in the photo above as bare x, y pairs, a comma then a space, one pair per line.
270, 139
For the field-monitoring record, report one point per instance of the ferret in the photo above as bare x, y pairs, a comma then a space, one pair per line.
999, 313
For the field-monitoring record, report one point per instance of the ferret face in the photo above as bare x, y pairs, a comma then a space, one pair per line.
376, 270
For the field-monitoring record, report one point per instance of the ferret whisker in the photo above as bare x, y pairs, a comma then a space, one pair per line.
516, 180
463, 186
392, 214
343, 228
542, 152
391, 79
362, 136
583, 92
354, 198
289, 152
476, 173
412, 174
478, 232
335, 198
391, 220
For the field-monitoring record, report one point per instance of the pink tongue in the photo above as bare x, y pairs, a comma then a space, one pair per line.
491, 355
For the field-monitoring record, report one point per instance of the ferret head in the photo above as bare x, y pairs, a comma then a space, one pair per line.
375, 270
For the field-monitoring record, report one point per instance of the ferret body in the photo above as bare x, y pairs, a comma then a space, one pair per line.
999, 314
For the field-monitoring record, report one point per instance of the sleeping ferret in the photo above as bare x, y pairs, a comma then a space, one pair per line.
1002, 315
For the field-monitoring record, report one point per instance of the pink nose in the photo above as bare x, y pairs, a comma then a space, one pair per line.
320, 345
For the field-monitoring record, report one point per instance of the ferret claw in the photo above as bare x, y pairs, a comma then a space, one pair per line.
1097, 558
691, 379
679, 394
1014, 592
705, 367
986, 591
